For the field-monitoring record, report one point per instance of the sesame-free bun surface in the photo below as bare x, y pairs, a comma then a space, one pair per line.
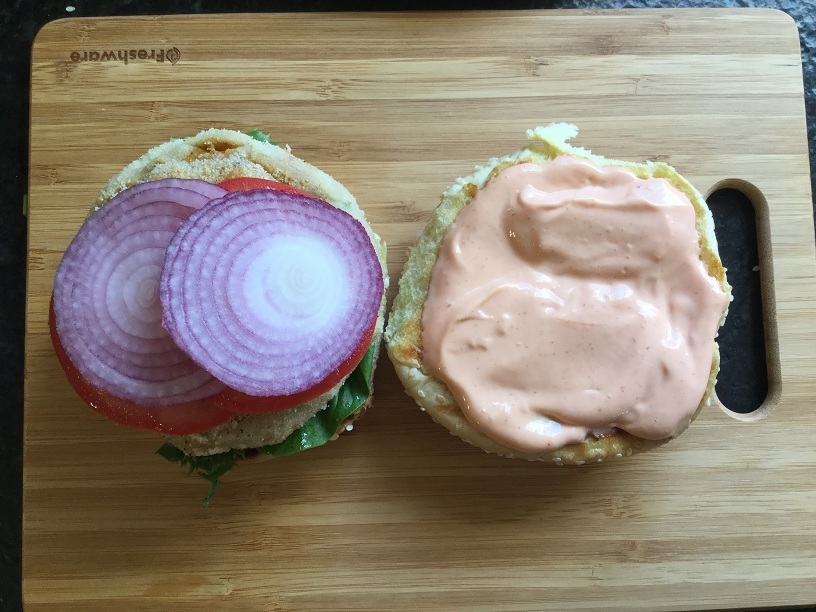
215, 155
403, 334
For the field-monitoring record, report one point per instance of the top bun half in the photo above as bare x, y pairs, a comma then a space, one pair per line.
404, 332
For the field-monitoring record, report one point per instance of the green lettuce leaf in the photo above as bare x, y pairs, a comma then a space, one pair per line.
258, 135
210, 468
316, 431
321, 427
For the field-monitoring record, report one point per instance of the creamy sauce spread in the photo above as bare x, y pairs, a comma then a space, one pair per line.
569, 298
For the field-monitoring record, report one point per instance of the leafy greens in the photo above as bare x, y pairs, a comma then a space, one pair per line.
210, 468
315, 432
256, 134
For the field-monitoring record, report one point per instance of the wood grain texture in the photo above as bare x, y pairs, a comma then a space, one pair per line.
399, 514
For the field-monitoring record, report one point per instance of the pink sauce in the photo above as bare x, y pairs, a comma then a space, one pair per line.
569, 298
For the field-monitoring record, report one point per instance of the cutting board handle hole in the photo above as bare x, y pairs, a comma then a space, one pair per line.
748, 383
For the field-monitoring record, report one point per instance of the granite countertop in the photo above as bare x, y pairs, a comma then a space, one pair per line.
20, 23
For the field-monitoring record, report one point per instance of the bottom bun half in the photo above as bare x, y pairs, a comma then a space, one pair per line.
215, 155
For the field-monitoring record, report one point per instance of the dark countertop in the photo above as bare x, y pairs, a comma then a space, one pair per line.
21, 20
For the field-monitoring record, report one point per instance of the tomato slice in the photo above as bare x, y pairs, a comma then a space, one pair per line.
195, 417
248, 184
235, 401
180, 419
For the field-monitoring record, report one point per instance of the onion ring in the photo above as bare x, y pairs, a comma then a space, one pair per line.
106, 302
270, 291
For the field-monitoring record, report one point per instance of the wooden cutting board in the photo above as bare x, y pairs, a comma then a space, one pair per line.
400, 514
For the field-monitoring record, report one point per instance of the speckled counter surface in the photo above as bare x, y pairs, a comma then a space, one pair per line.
19, 22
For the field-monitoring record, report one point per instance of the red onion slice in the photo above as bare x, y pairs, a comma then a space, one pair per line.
270, 291
106, 301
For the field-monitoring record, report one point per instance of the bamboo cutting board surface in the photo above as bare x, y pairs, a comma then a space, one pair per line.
400, 514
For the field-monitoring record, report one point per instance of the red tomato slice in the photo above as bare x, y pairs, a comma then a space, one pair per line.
180, 419
235, 401
248, 184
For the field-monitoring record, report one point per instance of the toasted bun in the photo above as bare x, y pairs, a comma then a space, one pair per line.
215, 155
403, 335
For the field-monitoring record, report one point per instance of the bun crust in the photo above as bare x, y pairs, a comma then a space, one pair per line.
215, 155
403, 335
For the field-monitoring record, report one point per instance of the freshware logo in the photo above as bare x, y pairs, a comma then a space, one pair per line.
128, 55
